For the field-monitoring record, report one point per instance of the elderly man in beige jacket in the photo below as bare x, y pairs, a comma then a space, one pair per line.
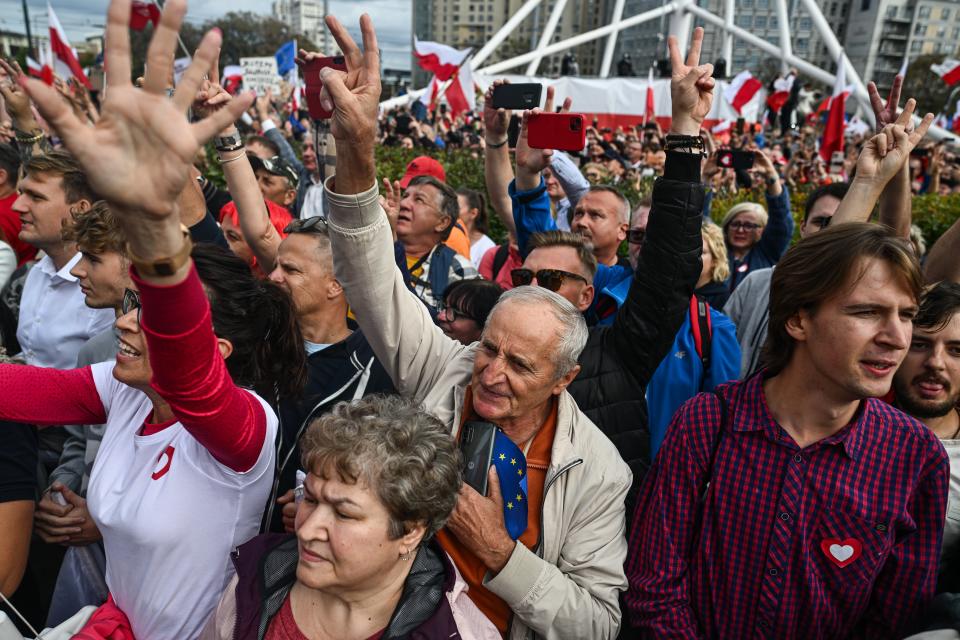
562, 578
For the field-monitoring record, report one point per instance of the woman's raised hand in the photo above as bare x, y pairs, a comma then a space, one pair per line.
138, 154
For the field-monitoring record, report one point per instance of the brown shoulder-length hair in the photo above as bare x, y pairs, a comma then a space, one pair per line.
820, 266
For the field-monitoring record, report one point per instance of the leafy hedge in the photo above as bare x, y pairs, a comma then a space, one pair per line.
933, 214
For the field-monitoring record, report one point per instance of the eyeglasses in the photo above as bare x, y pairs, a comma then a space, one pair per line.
130, 302
551, 279
636, 235
452, 313
313, 224
821, 222
745, 226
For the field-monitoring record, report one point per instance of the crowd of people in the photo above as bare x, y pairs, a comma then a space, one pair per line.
250, 409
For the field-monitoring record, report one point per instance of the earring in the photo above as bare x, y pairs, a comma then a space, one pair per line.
405, 555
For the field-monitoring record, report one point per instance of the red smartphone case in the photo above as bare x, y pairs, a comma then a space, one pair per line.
564, 131
313, 84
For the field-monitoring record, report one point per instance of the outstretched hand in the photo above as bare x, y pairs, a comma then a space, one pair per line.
138, 155
531, 162
885, 113
691, 86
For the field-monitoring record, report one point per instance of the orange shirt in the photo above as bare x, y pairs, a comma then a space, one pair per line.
471, 568
458, 241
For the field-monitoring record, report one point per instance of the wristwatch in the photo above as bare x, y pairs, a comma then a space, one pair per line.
231, 142
691, 144
162, 267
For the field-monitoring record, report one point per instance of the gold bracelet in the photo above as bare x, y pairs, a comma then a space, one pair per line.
31, 140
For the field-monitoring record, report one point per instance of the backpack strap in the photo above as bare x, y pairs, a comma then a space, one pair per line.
500, 259
702, 327
711, 461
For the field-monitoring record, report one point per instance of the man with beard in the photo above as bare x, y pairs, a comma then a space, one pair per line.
927, 386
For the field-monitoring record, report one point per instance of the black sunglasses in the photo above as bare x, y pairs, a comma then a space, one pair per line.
131, 301
636, 236
313, 224
551, 279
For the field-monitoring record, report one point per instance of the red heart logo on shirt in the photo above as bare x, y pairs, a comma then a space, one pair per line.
841, 552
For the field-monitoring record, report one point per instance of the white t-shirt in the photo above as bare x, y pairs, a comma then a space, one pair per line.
951, 530
480, 247
170, 514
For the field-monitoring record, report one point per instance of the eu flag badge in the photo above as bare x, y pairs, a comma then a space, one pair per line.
511, 467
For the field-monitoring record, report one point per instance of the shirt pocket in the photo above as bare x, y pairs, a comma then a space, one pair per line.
843, 575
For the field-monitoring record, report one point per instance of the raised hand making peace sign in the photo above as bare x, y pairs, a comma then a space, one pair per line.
691, 86
138, 155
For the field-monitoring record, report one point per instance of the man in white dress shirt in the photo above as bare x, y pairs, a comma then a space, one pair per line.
54, 321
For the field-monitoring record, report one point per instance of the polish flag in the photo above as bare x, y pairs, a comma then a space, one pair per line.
439, 59
460, 94
741, 90
825, 103
781, 93
34, 68
430, 95
833, 133
949, 70
232, 78
142, 12
650, 107
62, 50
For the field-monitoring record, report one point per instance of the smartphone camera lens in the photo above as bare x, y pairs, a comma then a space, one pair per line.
575, 124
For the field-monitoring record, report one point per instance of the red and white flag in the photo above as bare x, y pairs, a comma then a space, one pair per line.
825, 103
461, 95
440, 59
649, 109
63, 52
781, 93
741, 90
430, 93
232, 78
949, 70
142, 12
833, 133
41, 69
34, 68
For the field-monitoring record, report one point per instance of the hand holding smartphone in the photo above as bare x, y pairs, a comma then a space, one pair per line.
313, 84
517, 96
735, 159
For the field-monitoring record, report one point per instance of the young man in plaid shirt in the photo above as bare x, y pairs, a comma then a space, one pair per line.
796, 504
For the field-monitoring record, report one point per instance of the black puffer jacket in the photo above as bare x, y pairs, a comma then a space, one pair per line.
620, 359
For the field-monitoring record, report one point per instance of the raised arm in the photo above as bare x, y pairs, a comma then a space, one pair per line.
574, 184
779, 230
942, 263
412, 349
497, 172
669, 265
272, 133
31, 139
45, 397
896, 200
145, 139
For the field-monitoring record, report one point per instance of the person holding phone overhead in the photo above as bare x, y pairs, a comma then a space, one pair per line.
757, 236
562, 576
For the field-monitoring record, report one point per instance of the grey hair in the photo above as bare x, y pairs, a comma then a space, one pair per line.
405, 455
624, 215
573, 331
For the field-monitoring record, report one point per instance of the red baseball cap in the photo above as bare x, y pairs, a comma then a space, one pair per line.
423, 166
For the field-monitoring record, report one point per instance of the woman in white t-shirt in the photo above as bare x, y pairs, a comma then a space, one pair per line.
187, 458
473, 217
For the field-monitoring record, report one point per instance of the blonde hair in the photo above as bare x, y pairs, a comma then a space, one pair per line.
718, 249
737, 209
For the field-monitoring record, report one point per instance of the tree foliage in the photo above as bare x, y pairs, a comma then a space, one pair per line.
925, 86
245, 34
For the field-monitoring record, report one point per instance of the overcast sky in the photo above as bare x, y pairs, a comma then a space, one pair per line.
81, 17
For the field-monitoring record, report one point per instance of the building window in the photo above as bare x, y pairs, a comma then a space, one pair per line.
892, 12
915, 46
924, 12
945, 13
920, 30
763, 4
774, 23
760, 22
803, 44
805, 24
744, 21
747, 4
941, 31
956, 33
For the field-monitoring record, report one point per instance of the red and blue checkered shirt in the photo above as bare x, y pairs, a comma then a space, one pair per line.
839, 539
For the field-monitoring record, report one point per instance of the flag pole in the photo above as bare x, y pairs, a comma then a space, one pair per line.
186, 51
442, 90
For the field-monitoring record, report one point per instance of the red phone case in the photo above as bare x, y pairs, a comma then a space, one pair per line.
564, 131
313, 83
